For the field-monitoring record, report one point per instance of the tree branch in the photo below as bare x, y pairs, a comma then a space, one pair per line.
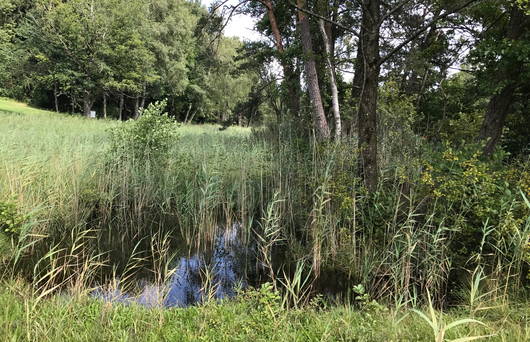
313, 14
424, 28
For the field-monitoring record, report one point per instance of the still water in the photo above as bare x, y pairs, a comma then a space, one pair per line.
188, 284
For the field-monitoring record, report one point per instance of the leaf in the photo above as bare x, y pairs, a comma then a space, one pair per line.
525, 199
462, 321
426, 319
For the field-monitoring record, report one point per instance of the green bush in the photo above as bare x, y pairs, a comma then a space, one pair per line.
11, 220
149, 137
479, 200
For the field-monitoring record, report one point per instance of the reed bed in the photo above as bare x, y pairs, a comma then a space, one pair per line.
94, 215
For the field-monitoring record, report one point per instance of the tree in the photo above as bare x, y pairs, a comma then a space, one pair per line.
319, 118
502, 62
75, 34
370, 68
292, 79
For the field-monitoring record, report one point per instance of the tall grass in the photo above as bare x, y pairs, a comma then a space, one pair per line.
96, 216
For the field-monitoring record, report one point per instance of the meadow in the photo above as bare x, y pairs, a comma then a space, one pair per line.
86, 202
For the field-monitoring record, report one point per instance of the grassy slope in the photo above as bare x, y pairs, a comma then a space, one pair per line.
42, 157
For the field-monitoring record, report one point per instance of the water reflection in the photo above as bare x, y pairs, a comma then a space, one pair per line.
217, 274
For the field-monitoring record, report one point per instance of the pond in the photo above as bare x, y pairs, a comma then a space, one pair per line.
205, 275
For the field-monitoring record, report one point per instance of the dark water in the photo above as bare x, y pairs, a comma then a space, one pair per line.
225, 264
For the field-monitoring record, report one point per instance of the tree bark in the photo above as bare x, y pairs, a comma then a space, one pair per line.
319, 117
56, 98
136, 113
120, 110
104, 105
496, 113
188, 113
292, 80
87, 104
144, 94
358, 78
72, 105
367, 114
333, 81
500, 104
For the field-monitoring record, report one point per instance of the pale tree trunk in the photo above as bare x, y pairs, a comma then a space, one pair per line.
367, 114
120, 109
104, 105
292, 81
319, 117
56, 98
87, 104
144, 94
333, 81
142, 103
188, 113
192, 116
136, 108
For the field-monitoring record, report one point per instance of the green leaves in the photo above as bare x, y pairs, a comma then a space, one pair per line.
150, 137
11, 221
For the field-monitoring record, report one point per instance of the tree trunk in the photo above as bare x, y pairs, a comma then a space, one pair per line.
144, 94
104, 105
193, 115
333, 81
142, 103
319, 117
87, 104
72, 105
136, 113
498, 109
120, 110
367, 114
56, 98
499, 105
188, 113
292, 81
358, 78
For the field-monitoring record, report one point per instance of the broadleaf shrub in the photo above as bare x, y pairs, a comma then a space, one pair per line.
470, 192
11, 220
149, 137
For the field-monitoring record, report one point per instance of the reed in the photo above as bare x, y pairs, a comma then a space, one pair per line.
96, 214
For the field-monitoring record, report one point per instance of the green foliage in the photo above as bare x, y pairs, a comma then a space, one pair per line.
11, 220
149, 137
479, 190
78, 318
399, 145
470, 193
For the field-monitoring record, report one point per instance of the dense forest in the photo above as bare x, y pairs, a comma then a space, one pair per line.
373, 153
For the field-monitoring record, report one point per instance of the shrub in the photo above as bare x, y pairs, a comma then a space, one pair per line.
11, 220
149, 137
480, 201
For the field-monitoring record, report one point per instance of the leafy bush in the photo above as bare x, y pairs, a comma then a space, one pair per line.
11, 221
480, 201
151, 136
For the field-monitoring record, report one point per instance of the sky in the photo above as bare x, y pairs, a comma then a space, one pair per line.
240, 25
